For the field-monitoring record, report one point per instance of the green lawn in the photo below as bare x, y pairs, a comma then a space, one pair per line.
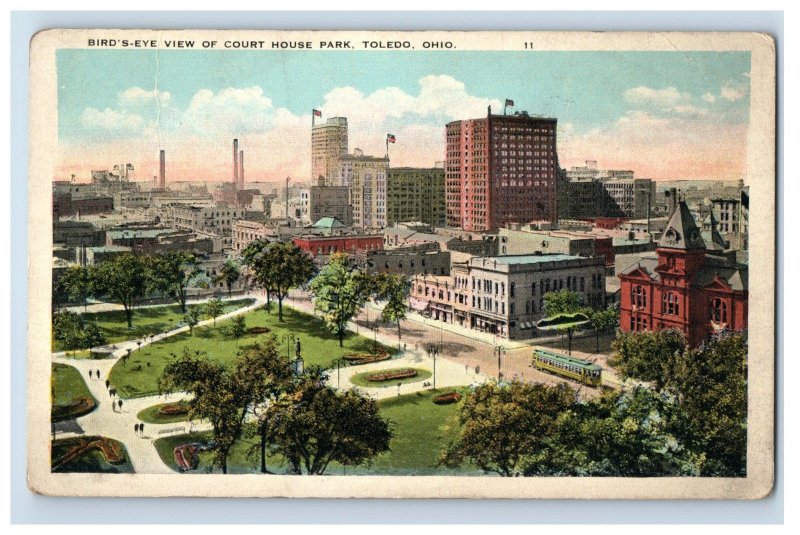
140, 374
146, 320
421, 429
150, 415
68, 385
361, 378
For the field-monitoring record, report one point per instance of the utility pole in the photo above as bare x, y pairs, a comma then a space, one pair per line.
287, 199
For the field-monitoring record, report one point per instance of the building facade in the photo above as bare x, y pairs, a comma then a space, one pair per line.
689, 284
328, 143
409, 261
321, 201
415, 194
214, 220
366, 178
500, 169
504, 295
321, 247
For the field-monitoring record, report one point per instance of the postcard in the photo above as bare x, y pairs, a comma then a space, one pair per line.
408, 264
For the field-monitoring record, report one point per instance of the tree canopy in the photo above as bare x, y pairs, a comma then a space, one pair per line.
172, 273
393, 289
124, 279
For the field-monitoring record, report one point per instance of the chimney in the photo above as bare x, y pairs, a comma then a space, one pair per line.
241, 169
162, 170
235, 161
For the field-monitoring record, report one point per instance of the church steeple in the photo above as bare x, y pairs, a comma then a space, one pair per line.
682, 231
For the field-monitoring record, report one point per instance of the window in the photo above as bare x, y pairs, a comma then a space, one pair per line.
718, 311
669, 304
511, 289
638, 295
511, 309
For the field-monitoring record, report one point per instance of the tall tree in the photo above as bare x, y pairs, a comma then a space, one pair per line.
648, 356
237, 327
192, 318
269, 376
123, 279
229, 273
217, 395
278, 267
502, 425
172, 273
393, 289
562, 302
340, 292
76, 283
214, 308
316, 425
259, 270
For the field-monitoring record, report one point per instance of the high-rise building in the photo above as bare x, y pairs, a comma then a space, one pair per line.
328, 143
500, 169
366, 177
415, 194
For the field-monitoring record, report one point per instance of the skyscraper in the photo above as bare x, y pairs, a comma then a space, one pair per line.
500, 169
328, 143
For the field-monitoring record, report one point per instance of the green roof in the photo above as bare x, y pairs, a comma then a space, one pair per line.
328, 222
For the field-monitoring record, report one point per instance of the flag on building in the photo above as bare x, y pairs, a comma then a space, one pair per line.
509, 102
390, 138
317, 113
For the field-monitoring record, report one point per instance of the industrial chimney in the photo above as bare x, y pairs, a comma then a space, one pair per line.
162, 170
241, 169
235, 162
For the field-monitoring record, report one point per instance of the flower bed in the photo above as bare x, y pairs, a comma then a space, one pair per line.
366, 358
391, 376
77, 408
186, 457
446, 399
258, 330
113, 452
173, 409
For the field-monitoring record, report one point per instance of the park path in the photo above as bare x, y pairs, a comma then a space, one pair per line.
109, 420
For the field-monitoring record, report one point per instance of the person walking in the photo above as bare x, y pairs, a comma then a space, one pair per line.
141, 429
98, 374
108, 383
90, 374
136, 428
119, 402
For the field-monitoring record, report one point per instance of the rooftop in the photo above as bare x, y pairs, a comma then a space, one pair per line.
532, 259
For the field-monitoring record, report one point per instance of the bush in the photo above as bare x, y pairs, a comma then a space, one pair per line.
391, 376
74, 332
258, 330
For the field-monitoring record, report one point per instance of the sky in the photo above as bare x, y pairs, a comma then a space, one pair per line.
665, 115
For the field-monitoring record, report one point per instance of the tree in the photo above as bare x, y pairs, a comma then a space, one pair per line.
562, 302
648, 356
76, 284
340, 292
237, 327
229, 273
620, 434
269, 377
394, 290
502, 425
74, 332
123, 279
214, 308
316, 425
192, 318
278, 267
172, 273
604, 321
217, 395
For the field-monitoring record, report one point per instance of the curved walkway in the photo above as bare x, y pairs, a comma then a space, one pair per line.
108, 420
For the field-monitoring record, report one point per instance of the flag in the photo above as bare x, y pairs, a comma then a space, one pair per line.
390, 138
317, 113
509, 102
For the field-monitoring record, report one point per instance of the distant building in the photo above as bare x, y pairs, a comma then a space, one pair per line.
217, 220
320, 201
504, 295
500, 169
328, 143
690, 284
409, 261
366, 177
415, 194
321, 247
65, 205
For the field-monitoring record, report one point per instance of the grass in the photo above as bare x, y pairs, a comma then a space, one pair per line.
361, 378
91, 461
421, 429
150, 415
139, 376
146, 320
68, 385
78, 354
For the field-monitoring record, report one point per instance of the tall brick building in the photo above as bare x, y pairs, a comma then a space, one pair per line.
500, 169
690, 284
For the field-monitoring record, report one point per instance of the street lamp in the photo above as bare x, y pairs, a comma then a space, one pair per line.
288, 338
500, 350
432, 352
338, 363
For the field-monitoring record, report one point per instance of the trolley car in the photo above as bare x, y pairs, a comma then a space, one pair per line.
579, 370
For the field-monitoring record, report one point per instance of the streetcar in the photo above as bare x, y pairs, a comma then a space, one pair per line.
579, 370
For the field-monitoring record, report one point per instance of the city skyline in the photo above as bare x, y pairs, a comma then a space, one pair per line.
611, 107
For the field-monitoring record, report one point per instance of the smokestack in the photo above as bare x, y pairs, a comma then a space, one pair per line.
241, 169
162, 170
235, 161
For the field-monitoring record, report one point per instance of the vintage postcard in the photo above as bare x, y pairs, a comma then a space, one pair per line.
409, 264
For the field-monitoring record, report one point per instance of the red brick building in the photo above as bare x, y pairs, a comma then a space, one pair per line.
327, 245
690, 284
500, 169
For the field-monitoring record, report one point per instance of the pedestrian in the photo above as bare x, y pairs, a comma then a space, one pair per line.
90, 374
98, 374
141, 429
136, 428
119, 402
108, 383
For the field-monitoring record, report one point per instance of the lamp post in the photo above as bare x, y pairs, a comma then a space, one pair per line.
338, 363
500, 351
289, 338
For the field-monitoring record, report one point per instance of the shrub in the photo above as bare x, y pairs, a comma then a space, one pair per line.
446, 399
173, 409
258, 330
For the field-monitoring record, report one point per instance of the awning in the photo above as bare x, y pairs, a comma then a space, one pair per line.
418, 304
